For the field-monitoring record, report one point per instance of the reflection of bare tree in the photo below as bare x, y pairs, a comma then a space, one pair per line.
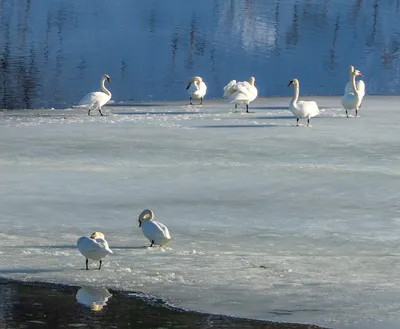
292, 36
371, 40
333, 47
197, 43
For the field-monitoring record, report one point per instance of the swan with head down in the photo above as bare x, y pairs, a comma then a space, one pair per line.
95, 100
196, 89
353, 99
94, 247
302, 109
242, 92
155, 232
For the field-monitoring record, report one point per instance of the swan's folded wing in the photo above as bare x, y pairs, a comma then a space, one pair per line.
230, 88
163, 229
103, 245
245, 91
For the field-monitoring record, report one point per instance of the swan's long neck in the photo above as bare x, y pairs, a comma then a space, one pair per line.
351, 70
353, 83
103, 87
296, 93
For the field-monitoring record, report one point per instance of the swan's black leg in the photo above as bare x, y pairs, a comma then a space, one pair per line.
152, 242
100, 264
190, 101
87, 263
247, 108
201, 100
88, 113
308, 122
347, 114
297, 121
100, 112
356, 112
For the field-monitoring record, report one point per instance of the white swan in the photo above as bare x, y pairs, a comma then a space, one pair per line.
196, 89
302, 109
353, 99
360, 85
94, 298
155, 232
95, 100
94, 247
241, 92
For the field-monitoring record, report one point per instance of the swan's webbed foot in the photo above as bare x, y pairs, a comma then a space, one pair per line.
100, 264
297, 122
190, 101
152, 243
87, 264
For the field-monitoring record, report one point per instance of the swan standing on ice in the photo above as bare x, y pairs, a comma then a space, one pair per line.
95, 100
241, 92
360, 85
94, 247
353, 99
196, 89
155, 232
302, 109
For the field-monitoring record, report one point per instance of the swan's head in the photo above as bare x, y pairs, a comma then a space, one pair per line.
293, 82
146, 216
196, 78
106, 77
252, 80
96, 235
357, 73
351, 68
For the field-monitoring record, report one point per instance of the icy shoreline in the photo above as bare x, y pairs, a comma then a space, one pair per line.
266, 220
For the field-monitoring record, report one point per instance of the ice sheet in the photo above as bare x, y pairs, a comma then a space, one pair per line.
269, 220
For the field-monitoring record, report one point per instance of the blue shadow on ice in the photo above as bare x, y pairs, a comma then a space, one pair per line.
156, 113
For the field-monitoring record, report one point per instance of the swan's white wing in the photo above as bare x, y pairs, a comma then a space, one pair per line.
92, 249
360, 85
164, 229
245, 92
230, 88
153, 231
308, 108
197, 89
95, 99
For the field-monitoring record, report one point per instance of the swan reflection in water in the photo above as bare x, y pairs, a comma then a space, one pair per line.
94, 298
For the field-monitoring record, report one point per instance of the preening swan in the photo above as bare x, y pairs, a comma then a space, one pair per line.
95, 100
360, 85
302, 109
196, 89
94, 247
155, 232
241, 92
353, 99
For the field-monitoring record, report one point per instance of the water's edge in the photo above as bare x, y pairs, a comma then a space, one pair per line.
56, 306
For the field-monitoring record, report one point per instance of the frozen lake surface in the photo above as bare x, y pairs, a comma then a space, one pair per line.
269, 221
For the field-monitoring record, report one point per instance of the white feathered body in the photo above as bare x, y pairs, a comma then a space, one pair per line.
94, 249
95, 100
197, 89
304, 109
156, 232
241, 92
351, 101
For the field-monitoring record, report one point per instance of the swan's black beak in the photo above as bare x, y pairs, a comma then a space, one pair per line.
140, 223
108, 79
290, 83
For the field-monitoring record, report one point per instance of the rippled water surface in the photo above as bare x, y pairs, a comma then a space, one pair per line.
53, 52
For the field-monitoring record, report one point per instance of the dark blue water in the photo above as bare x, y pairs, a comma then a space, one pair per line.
52, 52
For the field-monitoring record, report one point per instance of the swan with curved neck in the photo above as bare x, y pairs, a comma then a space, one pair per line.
352, 100
95, 100
155, 232
301, 109
360, 85
196, 89
94, 247
242, 92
